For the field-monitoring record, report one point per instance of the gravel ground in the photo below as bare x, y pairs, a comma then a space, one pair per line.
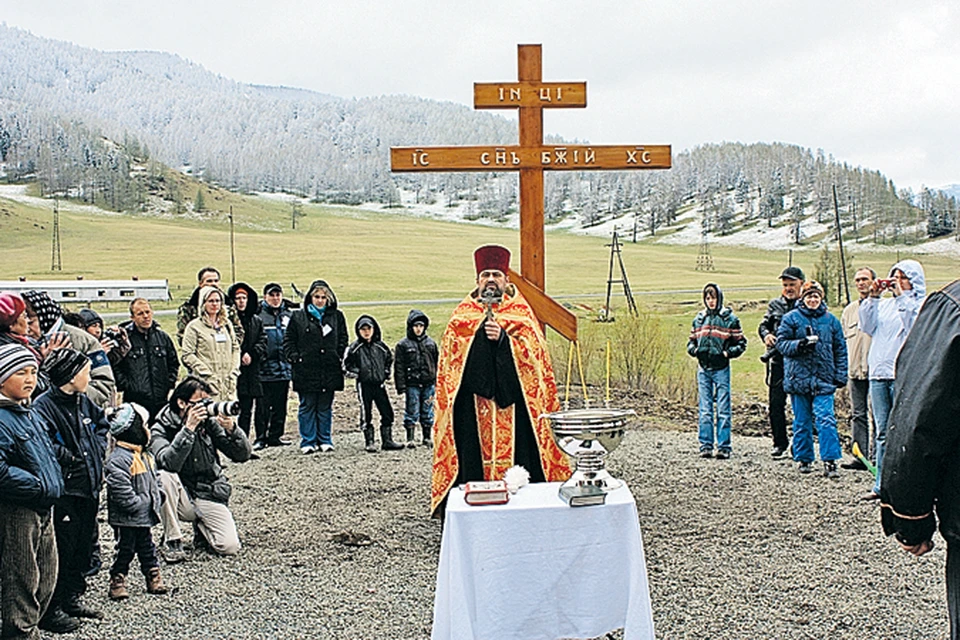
743, 549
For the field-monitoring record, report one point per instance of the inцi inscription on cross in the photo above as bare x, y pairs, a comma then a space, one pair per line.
530, 96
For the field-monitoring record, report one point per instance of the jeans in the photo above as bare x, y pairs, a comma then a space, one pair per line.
881, 401
134, 541
419, 407
807, 410
714, 386
316, 418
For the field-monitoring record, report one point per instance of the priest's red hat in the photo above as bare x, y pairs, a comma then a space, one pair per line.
492, 256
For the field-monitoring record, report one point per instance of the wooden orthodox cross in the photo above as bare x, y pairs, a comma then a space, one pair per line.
530, 95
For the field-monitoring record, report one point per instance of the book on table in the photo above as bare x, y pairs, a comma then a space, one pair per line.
486, 492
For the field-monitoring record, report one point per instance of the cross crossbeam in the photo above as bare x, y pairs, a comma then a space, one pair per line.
530, 96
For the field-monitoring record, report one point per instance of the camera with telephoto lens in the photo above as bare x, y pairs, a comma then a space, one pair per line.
769, 353
224, 408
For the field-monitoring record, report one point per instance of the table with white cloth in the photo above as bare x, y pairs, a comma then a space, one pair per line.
537, 568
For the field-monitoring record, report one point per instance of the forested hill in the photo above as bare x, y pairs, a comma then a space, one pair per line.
97, 125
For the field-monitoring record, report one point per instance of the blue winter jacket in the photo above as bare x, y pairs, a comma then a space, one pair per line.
889, 320
29, 471
274, 366
819, 371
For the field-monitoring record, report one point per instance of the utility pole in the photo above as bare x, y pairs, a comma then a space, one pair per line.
233, 252
615, 247
843, 258
55, 262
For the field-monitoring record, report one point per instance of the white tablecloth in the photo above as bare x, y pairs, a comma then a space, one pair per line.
536, 568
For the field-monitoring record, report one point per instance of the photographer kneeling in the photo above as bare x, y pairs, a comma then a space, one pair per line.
185, 438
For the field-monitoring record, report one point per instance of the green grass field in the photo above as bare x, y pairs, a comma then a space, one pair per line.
373, 257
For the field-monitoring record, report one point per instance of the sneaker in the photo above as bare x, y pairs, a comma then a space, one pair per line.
805, 467
870, 496
259, 445
723, 455
326, 448
307, 449
706, 453
172, 551
830, 469
777, 452
279, 442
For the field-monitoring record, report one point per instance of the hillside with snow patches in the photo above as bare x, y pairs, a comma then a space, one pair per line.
101, 127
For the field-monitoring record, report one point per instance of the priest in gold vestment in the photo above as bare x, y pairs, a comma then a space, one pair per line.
494, 381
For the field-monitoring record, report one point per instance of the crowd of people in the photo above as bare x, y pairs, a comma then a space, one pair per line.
65, 434
88, 409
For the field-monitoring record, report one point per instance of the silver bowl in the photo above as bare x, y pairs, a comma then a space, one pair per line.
587, 436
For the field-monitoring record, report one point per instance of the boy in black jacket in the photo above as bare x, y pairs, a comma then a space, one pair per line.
78, 430
369, 360
415, 374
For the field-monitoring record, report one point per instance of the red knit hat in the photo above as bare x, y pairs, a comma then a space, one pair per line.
11, 306
492, 256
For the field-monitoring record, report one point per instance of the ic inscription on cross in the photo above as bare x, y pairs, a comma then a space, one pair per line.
530, 96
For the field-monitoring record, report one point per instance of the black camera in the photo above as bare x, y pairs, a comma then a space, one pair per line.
113, 334
224, 408
769, 353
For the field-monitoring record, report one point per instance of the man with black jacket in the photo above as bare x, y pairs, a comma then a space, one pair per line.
920, 474
791, 279
186, 441
271, 415
149, 370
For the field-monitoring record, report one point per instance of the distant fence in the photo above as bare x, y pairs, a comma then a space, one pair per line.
92, 290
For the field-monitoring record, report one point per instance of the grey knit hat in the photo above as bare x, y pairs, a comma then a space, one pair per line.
13, 358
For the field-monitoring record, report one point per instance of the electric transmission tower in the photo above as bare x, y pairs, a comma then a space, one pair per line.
615, 247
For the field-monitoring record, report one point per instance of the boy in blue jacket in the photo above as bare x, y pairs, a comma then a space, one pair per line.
30, 482
715, 338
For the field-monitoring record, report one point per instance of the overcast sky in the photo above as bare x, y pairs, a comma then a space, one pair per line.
874, 82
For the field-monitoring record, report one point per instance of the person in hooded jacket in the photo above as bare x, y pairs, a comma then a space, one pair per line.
715, 338
211, 349
191, 308
253, 348
314, 345
921, 476
814, 367
415, 375
271, 415
368, 360
888, 321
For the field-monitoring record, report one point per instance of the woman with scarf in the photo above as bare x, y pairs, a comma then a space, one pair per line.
314, 344
253, 349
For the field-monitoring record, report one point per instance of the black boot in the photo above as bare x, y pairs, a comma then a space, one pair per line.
369, 447
411, 443
427, 435
386, 439
73, 607
56, 621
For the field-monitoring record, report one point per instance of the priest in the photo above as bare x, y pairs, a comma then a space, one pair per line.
494, 381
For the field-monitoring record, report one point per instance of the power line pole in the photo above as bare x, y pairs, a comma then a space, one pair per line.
55, 262
233, 252
843, 258
615, 250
